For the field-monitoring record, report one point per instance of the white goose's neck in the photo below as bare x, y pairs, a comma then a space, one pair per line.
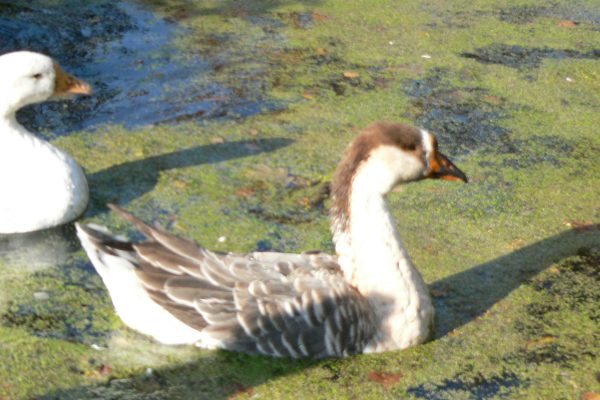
7, 115
374, 260
9, 106
13, 133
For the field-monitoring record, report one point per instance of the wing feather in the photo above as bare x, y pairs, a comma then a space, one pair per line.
293, 305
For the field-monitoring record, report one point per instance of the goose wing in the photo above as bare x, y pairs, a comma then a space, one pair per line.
278, 304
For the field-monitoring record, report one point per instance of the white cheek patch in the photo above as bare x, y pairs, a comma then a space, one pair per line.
393, 164
427, 140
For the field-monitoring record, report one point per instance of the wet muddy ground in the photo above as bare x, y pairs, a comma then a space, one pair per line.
224, 120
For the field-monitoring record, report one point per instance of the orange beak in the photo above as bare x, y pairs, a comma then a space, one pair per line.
442, 168
68, 84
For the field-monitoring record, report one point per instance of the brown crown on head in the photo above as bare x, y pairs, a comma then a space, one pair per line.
406, 138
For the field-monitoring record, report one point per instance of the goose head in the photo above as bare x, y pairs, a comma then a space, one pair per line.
29, 77
385, 155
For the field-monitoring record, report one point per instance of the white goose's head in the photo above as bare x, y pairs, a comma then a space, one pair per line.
29, 77
385, 155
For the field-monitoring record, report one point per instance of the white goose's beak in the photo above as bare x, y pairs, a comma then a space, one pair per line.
68, 84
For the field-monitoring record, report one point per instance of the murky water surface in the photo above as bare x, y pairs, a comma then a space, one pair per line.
128, 54
522, 132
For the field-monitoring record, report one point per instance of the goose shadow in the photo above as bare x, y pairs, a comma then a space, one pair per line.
221, 374
120, 184
125, 182
467, 295
33, 251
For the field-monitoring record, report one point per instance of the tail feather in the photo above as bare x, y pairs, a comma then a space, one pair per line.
143, 227
183, 247
117, 264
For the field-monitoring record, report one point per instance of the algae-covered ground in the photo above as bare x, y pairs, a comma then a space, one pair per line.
223, 120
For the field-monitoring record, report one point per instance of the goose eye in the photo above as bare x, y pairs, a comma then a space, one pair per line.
37, 76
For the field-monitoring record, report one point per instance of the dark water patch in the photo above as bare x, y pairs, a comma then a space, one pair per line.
566, 12
569, 288
464, 17
463, 119
8, 9
576, 282
129, 55
516, 56
538, 150
553, 353
521, 14
469, 385
66, 32
68, 303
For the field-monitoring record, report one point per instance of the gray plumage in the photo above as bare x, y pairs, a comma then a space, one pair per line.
277, 304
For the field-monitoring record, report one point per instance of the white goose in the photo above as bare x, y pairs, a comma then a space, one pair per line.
370, 298
41, 185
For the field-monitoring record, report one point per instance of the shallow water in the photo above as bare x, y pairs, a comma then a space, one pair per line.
128, 54
224, 120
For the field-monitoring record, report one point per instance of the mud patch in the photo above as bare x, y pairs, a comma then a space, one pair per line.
277, 195
299, 20
69, 303
524, 57
570, 289
326, 73
463, 119
470, 385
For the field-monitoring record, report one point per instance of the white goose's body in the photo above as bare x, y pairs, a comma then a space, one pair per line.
41, 185
368, 299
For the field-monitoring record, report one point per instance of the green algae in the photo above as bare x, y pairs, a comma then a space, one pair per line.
62, 303
516, 305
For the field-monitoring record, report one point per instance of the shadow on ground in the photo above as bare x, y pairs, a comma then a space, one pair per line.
125, 182
469, 295
120, 184
38, 250
215, 377
228, 8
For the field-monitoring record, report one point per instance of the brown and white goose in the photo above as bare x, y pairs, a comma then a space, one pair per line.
368, 298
